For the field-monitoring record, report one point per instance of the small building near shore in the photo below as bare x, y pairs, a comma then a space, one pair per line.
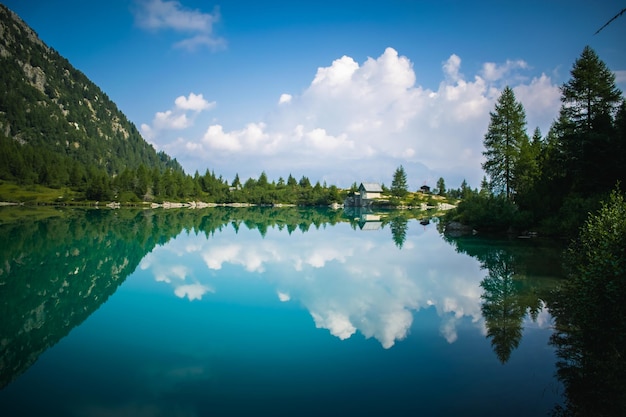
367, 193
370, 190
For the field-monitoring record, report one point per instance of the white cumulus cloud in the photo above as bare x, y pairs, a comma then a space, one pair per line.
284, 98
169, 120
359, 121
195, 102
176, 118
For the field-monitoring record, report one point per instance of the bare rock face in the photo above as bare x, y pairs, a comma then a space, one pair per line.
36, 76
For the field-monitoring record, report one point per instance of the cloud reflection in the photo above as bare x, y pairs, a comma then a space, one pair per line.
192, 291
349, 281
284, 297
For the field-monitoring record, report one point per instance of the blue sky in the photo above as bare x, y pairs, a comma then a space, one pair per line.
339, 91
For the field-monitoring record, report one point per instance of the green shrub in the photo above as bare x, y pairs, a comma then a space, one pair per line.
128, 197
491, 213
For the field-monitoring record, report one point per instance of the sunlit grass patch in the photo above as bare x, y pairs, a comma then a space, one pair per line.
11, 192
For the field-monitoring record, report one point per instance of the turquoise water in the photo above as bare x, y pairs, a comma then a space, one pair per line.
248, 319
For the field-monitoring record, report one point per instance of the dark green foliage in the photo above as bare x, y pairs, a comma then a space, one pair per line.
597, 260
585, 130
583, 156
488, 213
98, 187
590, 312
619, 146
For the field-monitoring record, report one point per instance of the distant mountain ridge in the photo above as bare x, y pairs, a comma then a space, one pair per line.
56, 126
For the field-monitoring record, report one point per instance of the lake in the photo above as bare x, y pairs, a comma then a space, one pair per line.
260, 311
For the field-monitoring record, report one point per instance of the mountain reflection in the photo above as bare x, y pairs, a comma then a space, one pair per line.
367, 273
59, 268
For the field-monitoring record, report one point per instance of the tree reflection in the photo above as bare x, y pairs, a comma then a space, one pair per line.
590, 313
59, 269
591, 363
515, 285
58, 266
501, 307
399, 226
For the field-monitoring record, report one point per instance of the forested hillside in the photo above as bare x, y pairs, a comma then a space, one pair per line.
61, 131
57, 128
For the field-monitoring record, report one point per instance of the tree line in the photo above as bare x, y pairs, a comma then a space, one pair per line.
145, 184
552, 181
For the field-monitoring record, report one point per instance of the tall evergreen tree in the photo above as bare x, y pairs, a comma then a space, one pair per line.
441, 186
527, 167
504, 137
589, 103
399, 186
291, 181
236, 181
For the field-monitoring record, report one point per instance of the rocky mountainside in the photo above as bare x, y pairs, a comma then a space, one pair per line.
56, 126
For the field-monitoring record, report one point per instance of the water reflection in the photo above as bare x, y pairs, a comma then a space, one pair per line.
520, 276
57, 270
399, 226
363, 282
590, 339
366, 275
58, 266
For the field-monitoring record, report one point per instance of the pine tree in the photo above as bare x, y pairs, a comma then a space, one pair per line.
291, 181
585, 127
505, 134
527, 167
398, 184
441, 186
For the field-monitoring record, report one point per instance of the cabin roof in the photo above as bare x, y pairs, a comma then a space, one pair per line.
371, 187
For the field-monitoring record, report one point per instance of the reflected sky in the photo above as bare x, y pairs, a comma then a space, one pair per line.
235, 321
350, 281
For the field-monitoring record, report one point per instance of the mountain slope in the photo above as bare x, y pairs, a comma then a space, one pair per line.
56, 126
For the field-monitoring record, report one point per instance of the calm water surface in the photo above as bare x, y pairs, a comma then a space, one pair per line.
269, 312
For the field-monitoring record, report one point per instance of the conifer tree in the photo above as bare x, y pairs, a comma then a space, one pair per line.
441, 186
585, 127
504, 137
398, 184
527, 166
236, 181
